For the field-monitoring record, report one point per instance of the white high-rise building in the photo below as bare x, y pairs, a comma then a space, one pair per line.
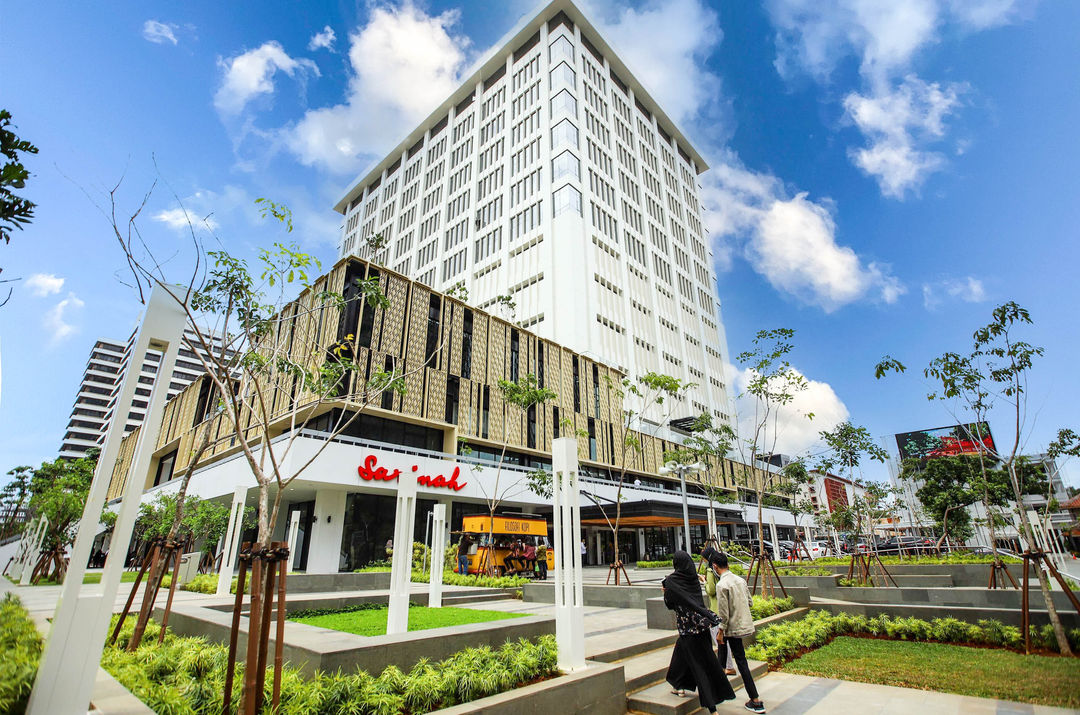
552, 176
96, 399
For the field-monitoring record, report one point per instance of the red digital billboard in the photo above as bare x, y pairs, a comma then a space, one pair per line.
950, 441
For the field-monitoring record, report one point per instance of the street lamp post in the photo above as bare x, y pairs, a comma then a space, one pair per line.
682, 470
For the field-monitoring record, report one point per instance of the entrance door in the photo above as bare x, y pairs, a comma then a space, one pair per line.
303, 540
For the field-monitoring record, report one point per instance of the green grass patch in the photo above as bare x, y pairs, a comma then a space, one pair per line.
981, 672
372, 621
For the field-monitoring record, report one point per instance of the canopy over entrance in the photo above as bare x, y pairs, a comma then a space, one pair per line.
646, 514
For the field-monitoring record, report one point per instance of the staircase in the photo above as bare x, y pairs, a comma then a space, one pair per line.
644, 656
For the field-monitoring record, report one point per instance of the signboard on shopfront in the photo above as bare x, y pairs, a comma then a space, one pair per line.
370, 471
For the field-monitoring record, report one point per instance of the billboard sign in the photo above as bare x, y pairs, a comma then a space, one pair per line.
945, 441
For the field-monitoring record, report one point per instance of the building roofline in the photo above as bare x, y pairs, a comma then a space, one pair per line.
522, 31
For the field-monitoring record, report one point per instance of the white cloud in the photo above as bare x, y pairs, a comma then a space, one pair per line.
323, 40
790, 241
895, 124
43, 284
251, 74
968, 290
898, 114
674, 70
795, 433
404, 63
180, 219
56, 319
159, 32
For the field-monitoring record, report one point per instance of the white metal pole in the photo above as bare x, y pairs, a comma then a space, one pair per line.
72, 653
232, 541
685, 509
438, 556
397, 617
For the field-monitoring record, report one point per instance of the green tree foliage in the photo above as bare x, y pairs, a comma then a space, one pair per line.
15, 211
58, 491
14, 495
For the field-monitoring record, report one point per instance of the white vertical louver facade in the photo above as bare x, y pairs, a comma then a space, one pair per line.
552, 176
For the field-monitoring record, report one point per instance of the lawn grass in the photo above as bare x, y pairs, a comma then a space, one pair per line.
981, 672
372, 622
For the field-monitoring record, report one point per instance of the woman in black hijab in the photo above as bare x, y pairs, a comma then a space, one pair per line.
693, 664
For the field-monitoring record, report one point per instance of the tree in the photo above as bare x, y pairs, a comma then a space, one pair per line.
651, 391
995, 372
708, 444
773, 386
270, 366
58, 491
13, 498
15, 211
949, 487
518, 398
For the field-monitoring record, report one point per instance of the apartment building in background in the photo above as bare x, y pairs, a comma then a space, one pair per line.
553, 177
95, 400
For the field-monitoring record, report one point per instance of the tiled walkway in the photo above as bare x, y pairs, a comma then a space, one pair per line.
787, 694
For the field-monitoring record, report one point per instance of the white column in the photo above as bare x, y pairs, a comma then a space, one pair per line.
775, 543
232, 541
72, 653
712, 523
438, 556
327, 526
397, 618
32, 551
569, 602
599, 548
294, 529
641, 544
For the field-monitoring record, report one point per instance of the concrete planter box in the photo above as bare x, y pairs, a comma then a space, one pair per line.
927, 612
596, 595
965, 575
659, 617
312, 649
598, 689
949, 597
328, 582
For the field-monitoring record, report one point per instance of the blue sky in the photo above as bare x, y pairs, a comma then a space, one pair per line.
883, 174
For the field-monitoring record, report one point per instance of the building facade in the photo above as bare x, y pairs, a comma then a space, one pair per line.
450, 422
96, 399
552, 177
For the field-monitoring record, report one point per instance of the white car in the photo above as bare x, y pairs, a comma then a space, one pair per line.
817, 549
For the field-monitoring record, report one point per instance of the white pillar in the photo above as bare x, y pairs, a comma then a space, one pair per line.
599, 548
232, 541
712, 523
397, 617
641, 544
438, 556
72, 654
569, 602
327, 526
775, 543
294, 530
31, 551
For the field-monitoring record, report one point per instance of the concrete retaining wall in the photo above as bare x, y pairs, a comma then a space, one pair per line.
320, 582
628, 596
961, 574
599, 689
658, 616
966, 597
311, 648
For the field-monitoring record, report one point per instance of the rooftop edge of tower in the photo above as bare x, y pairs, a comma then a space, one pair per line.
520, 33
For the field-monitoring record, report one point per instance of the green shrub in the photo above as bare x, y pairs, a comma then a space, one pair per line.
654, 564
954, 558
20, 645
783, 641
185, 676
452, 578
764, 606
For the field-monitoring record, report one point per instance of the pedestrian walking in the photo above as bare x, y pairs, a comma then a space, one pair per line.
736, 622
693, 665
723, 651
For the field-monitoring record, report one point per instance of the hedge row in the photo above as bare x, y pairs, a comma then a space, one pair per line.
20, 650
185, 676
781, 642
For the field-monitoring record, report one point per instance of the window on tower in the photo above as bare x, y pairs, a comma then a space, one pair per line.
564, 134
565, 165
567, 199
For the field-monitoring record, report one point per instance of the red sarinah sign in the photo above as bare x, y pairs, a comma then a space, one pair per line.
370, 471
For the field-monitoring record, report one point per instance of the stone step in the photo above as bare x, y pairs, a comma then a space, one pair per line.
452, 599
611, 647
659, 700
642, 671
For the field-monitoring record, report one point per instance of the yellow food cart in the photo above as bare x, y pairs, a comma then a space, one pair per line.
505, 530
